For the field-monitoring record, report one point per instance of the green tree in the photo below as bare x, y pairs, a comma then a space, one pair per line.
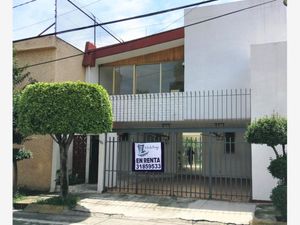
271, 131
61, 110
19, 153
20, 74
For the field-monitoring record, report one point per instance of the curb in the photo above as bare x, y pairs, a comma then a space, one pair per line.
48, 209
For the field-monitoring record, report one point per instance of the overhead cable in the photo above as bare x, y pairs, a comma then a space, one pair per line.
119, 20
185, 26
25, 3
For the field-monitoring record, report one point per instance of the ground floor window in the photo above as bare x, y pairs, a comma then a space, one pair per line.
230, 142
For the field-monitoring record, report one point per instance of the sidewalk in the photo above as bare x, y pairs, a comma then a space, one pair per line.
140, 207
94, 208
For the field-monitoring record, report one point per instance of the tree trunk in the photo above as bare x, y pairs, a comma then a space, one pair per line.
283, 150
64, 141
64, 178
15, 177
275, 151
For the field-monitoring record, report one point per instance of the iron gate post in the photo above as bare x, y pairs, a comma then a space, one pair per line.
105, 149
210, 166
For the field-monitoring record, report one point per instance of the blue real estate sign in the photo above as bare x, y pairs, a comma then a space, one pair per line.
148, 157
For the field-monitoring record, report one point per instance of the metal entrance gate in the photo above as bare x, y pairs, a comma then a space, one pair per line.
198, 165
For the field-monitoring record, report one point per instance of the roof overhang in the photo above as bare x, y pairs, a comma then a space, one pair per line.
141, 46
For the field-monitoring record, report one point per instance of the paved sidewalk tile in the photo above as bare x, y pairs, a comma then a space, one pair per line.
148, 207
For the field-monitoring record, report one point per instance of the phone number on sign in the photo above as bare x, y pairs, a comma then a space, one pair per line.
147, 166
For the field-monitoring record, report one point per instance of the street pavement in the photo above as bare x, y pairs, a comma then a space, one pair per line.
121, 209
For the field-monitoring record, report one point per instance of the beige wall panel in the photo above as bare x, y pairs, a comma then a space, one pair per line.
42, 73
70, 69
35, 173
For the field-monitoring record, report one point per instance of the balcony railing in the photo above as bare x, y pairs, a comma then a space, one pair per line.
182, 106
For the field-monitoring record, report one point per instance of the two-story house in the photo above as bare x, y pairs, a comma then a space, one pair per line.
194, 89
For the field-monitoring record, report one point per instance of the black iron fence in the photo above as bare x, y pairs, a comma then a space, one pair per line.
202, 167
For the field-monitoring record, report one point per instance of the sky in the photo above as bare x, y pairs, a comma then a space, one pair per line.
33, 18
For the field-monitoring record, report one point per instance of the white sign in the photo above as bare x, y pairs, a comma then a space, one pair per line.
148, 156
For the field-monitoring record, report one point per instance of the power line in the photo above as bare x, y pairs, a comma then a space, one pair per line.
94, 20
120, 20
25, 3
51, 61
59, 15
189, 25
177, 19
227, 14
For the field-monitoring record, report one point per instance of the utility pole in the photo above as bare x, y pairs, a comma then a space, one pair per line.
95, 34
55, 16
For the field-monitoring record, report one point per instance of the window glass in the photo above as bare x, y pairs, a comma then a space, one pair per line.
172, 76
106, 78
148, 78
229, 142
124, 79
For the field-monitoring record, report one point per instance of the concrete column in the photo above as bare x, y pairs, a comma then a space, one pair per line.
100, 185
70, 157
55, 165
87, 159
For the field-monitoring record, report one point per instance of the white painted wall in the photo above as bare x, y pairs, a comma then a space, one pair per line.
269, 95
91, 75
217, 52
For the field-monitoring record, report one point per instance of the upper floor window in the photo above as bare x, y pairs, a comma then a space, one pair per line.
172, 76
147, 78
106, 78
123, 80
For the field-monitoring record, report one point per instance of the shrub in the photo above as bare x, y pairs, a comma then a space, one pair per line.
70, 201
271, 131
278, 169
279, 199
22, 154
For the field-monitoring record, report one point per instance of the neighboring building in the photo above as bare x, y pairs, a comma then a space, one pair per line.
195, 89
36, 173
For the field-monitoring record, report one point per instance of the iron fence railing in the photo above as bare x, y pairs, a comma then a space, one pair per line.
211, 173
181, 106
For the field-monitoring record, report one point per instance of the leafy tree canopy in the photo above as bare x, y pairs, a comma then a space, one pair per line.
64, 108
271, 131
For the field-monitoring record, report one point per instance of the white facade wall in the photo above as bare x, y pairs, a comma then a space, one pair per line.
218, 55
269, 82
91, 75
217, 52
